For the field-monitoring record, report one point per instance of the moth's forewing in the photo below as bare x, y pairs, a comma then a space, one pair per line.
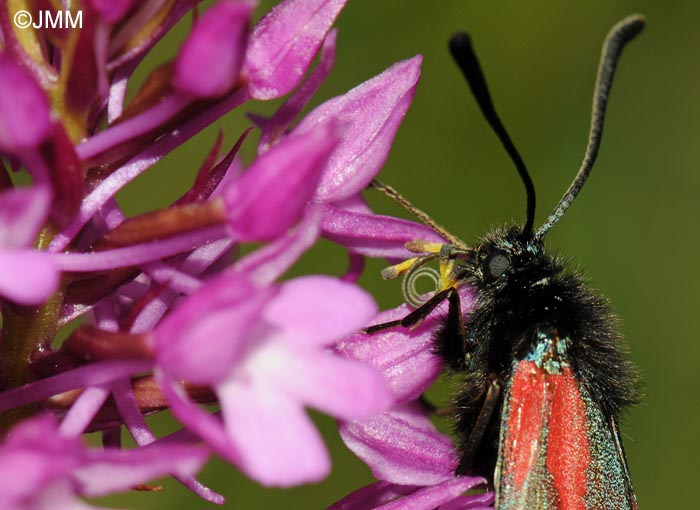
556, 449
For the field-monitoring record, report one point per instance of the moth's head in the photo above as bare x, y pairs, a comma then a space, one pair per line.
505, 256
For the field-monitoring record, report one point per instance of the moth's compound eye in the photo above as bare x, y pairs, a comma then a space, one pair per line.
497, 263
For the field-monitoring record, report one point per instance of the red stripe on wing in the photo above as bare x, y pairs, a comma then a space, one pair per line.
524, 424
568, 448
545, 454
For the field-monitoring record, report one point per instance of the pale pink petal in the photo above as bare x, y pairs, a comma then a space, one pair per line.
278, 443
206, 426
318, 310
28, 276
22, 214
284, 42
340, 387
371, 114
209, 63
202, 339
59, 495
268, 263
24, 109
118, 470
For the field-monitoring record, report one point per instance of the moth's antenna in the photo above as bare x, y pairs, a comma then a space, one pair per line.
619, 35
463, 53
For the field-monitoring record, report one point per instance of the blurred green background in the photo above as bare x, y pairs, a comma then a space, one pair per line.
633, 229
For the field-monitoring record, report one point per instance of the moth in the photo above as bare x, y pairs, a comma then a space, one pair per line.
545, 374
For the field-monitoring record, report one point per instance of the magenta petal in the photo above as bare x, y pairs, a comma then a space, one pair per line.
28, 276
276, 126
405, 357
33, 457
482, 501
277, 441
371, 113
433, 497
111, 10
284, 42
399, 451
210, 60
267, 264
271, 196
22, 214
372, 496
197, 420
87, 375
373, 235
116, 470
317, 310
24, 109
202, 339
340, 387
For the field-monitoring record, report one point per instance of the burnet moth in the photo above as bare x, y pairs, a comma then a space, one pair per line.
545, 375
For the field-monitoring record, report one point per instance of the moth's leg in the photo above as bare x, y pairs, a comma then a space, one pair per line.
447, 285
476, 436
455, 319
382, 326
416, 316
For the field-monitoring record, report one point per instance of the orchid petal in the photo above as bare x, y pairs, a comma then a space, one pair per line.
317, 310
268, 263
430, 498
205, 336
399, 451
24, 109
405, 357
210, 60
278, 443
275, 127
87, 375
111, 10
203, 424
271, 196
22, 214
374, 235
372, 496
117, 470
340, 387
482, 501
284, 42
28, 277
371, 114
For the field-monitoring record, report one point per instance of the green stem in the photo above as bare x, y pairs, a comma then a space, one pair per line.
25, 333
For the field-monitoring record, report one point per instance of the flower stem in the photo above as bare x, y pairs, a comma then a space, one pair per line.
24, 334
